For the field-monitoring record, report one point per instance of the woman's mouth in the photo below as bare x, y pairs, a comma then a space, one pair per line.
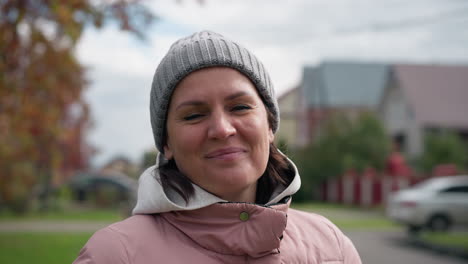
229, 153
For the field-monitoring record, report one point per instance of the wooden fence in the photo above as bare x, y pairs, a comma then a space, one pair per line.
366, 189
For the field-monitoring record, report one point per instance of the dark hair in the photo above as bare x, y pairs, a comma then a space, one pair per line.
278, 171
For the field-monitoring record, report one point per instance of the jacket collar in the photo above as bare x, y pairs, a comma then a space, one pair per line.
152, 198
234, 228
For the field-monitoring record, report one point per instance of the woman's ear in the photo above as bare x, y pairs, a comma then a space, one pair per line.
271, 136
168, 152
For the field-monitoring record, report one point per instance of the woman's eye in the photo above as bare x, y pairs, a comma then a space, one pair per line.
241, 107
192, 117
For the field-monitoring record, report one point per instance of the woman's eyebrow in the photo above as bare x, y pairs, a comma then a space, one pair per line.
198, 102
236, 95
189, 103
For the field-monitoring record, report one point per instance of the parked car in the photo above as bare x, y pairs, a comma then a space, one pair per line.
436, 204
105, 190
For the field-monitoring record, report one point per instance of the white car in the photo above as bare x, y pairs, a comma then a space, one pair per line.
436, 203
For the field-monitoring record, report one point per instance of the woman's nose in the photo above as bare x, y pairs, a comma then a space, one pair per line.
221, 127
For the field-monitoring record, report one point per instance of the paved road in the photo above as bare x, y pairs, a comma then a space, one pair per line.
390, 247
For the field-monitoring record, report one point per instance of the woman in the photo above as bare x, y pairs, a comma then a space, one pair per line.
220, 191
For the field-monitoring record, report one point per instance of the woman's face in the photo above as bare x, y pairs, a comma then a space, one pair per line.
218, 132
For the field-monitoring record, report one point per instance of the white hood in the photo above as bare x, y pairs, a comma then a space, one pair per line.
152, 198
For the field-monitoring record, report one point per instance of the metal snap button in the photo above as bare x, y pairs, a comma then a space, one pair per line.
244, 216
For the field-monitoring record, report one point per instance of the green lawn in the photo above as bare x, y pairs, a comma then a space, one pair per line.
459, 240
50, 248
349, 217
373, 224
41, 248
321, 206
78, 214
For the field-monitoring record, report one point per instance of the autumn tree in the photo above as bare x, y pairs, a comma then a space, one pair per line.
43, 115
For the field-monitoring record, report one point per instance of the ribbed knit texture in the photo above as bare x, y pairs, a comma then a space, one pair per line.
201, 50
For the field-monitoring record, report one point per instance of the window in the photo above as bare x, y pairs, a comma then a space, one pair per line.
456, 189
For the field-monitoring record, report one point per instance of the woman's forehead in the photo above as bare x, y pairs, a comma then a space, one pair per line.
218, 82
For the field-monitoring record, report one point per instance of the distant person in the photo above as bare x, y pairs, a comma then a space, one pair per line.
220, 190
396, 164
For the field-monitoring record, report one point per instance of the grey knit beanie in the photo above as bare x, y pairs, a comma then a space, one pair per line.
201, 50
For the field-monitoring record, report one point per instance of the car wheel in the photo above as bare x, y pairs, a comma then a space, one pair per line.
439, 223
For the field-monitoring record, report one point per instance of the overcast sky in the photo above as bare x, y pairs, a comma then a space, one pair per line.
285, 36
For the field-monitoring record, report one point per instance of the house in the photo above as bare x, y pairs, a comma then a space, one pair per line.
336, 86
424, 98
120, 164
287, 131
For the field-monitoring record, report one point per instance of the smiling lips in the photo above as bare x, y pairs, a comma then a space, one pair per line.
225, 153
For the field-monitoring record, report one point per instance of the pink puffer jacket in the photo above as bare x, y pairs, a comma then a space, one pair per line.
215, 231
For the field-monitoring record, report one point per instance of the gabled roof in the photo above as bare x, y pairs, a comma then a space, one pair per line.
339, 84
437, 94
287, 93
